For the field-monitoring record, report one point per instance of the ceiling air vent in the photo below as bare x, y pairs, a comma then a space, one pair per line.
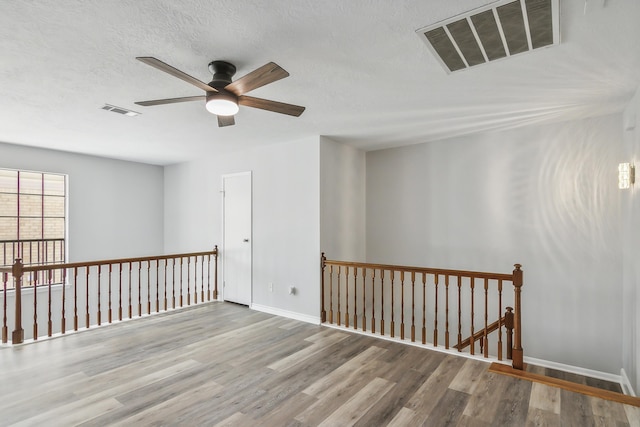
499, 30
119, 110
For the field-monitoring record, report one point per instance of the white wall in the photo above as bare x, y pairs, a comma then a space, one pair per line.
542, 196
342, 201
115, 207
631, 244
286, 218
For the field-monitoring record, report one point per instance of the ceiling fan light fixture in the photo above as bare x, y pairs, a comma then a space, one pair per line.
222, 104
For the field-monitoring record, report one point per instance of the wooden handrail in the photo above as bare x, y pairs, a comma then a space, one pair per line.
370, 286
48, 273
491, 328
440, 271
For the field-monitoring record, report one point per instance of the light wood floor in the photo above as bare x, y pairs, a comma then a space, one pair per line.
223, 364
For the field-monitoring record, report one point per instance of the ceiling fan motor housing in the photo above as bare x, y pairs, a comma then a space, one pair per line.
222, 72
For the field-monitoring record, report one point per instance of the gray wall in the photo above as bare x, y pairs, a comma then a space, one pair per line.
342, 201
631, 245
115, 207
286, 218
542, 196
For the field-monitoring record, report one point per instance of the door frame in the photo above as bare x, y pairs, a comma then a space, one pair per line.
222, 193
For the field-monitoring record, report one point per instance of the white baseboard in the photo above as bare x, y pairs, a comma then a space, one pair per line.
627, 388
286, 313
575, 370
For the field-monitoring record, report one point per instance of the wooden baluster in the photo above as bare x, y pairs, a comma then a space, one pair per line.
435, 319
355, 297
459, 313
87, 319
402, 305
339, 286
181, 263
364, 299
393, 317
5, 329
35, 305
202, 279
139, 288
110, 319
158, 285
195, 279
17, 335
63, 320
75, 298
208, 277
373, 300
331, 294
215, 277
424, 308
346, 283
472, 347
446, 324
148, 286
120, 291
508, 325
413, 306
382, 300
485, 340
49, 321
165, 284
129, 289
500, 319
188, 280
173, 285
323, 311
518, 356
99, 306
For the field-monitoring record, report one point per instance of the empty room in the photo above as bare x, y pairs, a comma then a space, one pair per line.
301, 213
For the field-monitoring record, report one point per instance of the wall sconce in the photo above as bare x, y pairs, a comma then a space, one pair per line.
626, 175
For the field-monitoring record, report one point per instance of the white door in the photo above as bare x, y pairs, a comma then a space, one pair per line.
236, 250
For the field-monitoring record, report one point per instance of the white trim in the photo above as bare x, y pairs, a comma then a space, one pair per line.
627, 388
574, 369
286, 313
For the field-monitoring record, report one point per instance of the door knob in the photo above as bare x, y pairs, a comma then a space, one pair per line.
246, 240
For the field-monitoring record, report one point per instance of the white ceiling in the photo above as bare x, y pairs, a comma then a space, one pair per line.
358, 66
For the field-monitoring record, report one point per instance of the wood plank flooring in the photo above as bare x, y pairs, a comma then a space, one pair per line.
220, 364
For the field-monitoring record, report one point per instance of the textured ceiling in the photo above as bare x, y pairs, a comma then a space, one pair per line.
358, 66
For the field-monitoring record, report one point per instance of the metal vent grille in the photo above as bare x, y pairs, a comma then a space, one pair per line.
119, 110
499, 30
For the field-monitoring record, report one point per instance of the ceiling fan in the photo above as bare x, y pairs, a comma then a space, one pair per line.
222, 95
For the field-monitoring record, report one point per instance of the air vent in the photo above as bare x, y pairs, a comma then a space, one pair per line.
499, 30
120, 110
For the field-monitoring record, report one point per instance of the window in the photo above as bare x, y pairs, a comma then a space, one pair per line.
32, 218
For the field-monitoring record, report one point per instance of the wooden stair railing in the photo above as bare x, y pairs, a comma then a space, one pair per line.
98, 285
444, 301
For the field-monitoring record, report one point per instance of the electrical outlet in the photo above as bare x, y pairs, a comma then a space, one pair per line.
270, 287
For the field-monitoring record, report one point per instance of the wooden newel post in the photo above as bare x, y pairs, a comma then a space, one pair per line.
215, 273
18, 333
518, 357
323, 313
508, 324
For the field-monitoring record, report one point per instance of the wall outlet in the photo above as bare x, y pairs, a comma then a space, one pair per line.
270, 287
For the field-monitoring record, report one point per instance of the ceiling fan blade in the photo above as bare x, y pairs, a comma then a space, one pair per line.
171, 100
259, 77
276, 107
156, 63
226, 121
